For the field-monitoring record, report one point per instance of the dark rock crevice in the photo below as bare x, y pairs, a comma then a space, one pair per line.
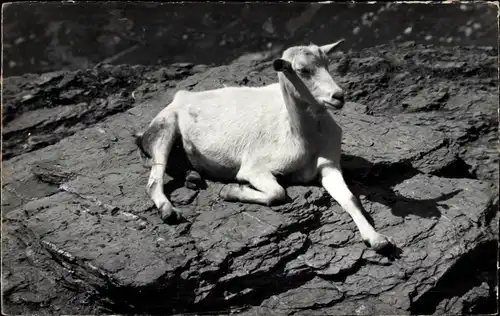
457, 169
464, 278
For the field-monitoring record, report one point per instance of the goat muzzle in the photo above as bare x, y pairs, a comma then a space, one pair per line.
336, 103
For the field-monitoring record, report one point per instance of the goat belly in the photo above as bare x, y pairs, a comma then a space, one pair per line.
210, 162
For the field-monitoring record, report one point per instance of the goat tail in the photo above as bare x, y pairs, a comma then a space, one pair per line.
144, 156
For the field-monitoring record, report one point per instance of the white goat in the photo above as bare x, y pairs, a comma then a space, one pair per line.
253, 134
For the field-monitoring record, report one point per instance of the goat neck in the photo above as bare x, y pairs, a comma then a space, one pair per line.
303, 111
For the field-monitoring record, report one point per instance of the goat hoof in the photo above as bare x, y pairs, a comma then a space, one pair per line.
170, 215
226, 193
379, 242
193, 180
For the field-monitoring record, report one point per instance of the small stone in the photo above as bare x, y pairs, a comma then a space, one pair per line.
109, 80
408, 30
27, 98
19, 40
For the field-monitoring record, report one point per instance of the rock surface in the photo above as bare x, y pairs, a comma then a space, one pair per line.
46, 108
420, 148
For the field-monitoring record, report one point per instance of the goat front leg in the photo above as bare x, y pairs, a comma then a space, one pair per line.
332, 180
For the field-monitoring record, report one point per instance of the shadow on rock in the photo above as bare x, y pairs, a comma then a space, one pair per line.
470, 295
179, 295
391, 252
377, 182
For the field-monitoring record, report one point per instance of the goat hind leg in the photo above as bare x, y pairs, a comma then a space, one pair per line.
267, 190
162, 139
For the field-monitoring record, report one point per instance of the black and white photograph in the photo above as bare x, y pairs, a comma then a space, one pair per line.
250, 158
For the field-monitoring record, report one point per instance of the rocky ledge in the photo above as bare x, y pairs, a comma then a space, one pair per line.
420, 148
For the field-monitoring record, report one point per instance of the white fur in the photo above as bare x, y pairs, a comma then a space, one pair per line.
255, 134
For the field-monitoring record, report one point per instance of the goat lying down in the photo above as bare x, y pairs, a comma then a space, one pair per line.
248, 136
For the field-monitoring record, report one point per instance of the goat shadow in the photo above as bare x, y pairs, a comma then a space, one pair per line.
377, 182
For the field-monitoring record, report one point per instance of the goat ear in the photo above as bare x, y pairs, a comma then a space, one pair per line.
327, 49
281, 64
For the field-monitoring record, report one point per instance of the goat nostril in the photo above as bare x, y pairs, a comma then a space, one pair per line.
339, 95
